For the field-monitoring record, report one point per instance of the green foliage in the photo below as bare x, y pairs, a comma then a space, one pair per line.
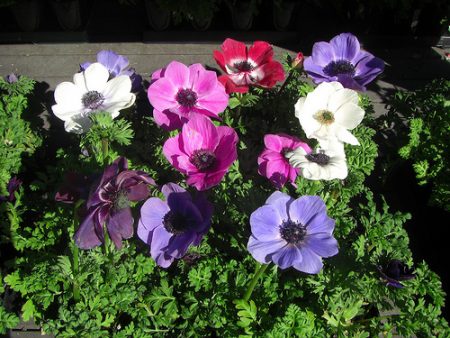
190, 10
16, 137
426, 114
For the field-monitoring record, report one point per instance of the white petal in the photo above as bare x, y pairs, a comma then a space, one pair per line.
95, 77
115, 106
349, 115
64, 112
308, 123
79, 126
340, 97
299, 106
345, 136
67, 94
117, 88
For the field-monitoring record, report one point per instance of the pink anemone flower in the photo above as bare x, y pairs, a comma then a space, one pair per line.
248, 67
202, 151
178, 91
272, 162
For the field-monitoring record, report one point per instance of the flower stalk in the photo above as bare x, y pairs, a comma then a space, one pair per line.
258, 273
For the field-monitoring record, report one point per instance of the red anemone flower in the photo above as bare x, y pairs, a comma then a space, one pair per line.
244, 67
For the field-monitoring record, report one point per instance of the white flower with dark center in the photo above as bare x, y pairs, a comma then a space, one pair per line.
91, 92
320, 164
328, 113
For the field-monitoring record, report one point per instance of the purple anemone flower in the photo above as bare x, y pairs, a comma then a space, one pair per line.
395, 272
74, 187
169, 227
12, 78
109, 205
290, 232
13, 185
117, 65
343, 60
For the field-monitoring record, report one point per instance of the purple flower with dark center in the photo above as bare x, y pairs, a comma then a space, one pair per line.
290, 232
109, 205
394, 272
117, 65
169, 227
343, 60
13, 185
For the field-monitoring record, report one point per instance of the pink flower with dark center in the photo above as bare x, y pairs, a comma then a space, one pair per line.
177, 92
273, 164
202, 151
248, 67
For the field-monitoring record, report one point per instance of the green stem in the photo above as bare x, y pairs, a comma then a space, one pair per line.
75, 256
260, 270
105, 149
285, 82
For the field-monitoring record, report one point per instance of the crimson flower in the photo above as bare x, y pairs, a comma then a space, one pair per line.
247, 67
109, 205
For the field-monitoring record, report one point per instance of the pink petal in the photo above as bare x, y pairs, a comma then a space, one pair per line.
168, 120
215, 101
173, 149
161, 94
226, 151
273, 142
199, 133
178, 74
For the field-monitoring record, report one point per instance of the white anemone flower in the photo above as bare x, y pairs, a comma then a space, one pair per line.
322, 164
328, 113
91, 92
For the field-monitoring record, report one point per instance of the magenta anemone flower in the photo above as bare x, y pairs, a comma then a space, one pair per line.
178, 92
109, 205
272, 162
169, 227
248, 67
202, 151
290, 232
343, 60
117, 65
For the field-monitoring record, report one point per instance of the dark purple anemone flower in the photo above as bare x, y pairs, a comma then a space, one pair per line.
169, 227
74, 187
109, 205
13, 185
117, 65
343, 60
394, 272
292, 232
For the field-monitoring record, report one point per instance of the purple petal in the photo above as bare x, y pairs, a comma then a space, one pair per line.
346, 46
265, 222
84, 65
153, 212
114, 62
262, 251
120, 226
281, 202
368, 68
179, 244
160, 240
322, 54
86, 235
320, 223
170, 187
322, 244
287, 257
311, 262
303, 209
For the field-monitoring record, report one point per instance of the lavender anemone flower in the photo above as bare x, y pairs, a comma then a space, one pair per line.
12, 78
117, 65
292, 232
109, 205
343, 60
169, 227
394, 272
13, 185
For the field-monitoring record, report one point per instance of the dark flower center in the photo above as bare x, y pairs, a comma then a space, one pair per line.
92, 100
285, 150
203, 159
186, 98
319, 158
176, 223
243, 66
339, 67
292, 232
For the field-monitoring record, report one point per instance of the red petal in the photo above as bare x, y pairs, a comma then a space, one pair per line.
233, 50
261, 52
220, 59
230, 87
273, 72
